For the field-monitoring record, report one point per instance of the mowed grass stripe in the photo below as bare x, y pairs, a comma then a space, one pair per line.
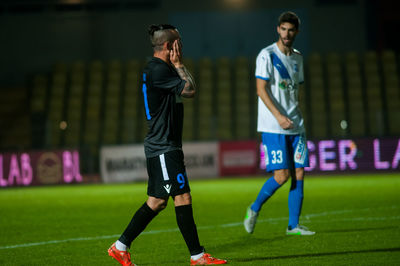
351, 214
271, 220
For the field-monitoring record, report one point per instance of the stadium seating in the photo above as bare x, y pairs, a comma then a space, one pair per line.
224, 92
206, 98
316, 85
56, 106
74, 105
92, 124
374, 93
338, 120
112, 104
38, 107
243, 91
130, 100
88, 104
15, 126
39, 94
344, 94
189, 106
356, 105
391, 82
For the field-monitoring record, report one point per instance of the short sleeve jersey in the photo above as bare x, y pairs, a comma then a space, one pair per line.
162, 87
284, 73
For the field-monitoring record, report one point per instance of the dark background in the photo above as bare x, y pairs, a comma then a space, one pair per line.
37, 33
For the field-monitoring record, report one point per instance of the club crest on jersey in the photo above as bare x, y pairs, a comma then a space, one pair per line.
283, 85
296, 68
286, 84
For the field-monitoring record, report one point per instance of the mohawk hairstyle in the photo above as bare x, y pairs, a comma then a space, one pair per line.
289, 17
159, 34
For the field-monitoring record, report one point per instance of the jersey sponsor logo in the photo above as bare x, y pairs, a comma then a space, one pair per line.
301, 149
168, 187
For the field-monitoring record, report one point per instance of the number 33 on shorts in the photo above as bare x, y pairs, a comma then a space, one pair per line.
273, 157
276, 157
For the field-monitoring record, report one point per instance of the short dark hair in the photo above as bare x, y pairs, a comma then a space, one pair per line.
289, 17
159, 34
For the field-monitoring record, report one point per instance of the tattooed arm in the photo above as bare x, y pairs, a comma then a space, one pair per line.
176, 59
190, 86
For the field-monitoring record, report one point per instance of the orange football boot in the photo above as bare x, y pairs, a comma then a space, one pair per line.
122, 257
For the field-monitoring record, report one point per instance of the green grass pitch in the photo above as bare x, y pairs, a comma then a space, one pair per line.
357, 220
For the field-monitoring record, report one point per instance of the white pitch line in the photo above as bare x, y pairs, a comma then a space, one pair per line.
57, 241
365, 219
271, 220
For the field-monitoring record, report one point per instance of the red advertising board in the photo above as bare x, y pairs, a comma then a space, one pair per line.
39, 168
238, 157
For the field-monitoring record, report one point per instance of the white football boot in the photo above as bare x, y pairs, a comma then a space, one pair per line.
299, 230
250, 220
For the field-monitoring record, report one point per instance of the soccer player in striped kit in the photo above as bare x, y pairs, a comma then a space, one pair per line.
279, 76
165, 80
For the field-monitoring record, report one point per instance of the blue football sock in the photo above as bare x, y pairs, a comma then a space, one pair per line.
268, 189
295, 202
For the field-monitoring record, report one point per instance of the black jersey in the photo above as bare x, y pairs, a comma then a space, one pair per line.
161, 89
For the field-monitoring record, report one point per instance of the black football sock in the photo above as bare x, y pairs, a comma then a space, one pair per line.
140, 220
184, 218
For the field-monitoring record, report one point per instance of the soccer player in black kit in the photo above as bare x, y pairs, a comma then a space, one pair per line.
165, 79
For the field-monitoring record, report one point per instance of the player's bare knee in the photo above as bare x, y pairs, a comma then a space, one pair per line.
184, 199
282, 180
157, 204
162, 205
281, 176
299, 173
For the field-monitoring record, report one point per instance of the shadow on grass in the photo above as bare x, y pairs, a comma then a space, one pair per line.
242, 242
272, 258
319, 254
255, 241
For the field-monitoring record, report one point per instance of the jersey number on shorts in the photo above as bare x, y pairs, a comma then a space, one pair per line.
276, 157
181, 180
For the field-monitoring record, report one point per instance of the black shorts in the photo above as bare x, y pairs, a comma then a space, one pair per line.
167, 175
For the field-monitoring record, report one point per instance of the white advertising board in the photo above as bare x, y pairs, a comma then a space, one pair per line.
201, 159
128, 163
123, 163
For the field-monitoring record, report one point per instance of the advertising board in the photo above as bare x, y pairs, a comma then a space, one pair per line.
39, 168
